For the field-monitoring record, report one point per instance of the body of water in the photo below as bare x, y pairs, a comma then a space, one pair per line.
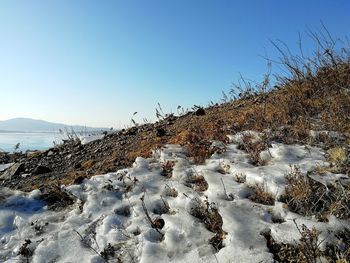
28, 141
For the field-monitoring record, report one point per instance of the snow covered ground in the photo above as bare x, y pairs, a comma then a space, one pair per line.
90, 138
108, 217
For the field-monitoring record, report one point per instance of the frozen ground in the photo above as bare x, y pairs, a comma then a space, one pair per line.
90, 138
108, 218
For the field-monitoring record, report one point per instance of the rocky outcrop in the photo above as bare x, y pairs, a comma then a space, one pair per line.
12, 171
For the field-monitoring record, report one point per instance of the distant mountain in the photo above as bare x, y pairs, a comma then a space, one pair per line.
32, 125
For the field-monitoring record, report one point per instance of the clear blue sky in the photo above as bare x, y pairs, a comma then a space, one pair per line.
96, 62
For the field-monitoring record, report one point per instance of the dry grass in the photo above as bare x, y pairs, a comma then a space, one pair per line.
261, 195
197, 183
337, 156
169, 191
168, 167
208, 213
88, 164
308, 197
196, 143
253, 148
312, 94
308, 249
240, 178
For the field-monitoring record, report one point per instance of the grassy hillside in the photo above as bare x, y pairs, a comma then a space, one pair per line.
263, 176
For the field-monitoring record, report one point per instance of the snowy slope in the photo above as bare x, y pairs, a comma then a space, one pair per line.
108, 215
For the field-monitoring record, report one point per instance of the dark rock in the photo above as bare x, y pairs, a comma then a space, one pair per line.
15, 169
77, 165
200, 112
131, 131
40, 169
159, 223
79, 180
161, 132
123, 211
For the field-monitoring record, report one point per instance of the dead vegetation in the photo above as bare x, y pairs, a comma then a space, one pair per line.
339, 158
253, 148
197, 145
308, 197
339, 250
240, 178
170, 191
25, 250
168, 167
196, 181
228, 196
308, 248
208, 213
261, 195
157, 223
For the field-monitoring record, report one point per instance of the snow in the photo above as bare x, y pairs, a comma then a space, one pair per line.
3, 167
90, 138
104, 214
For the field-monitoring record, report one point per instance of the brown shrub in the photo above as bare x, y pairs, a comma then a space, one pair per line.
197, 146
168, 167
253, 148
260, 195
307, 251
169, 191
197, 183
209, 215
240, 178
308, 197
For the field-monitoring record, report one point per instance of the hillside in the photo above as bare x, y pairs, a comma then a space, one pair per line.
32, 125
262, 177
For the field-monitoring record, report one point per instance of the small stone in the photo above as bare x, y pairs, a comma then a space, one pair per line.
161, 132
40, 169
79, 180
200, 112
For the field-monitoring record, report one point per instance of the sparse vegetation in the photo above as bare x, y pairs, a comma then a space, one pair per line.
308, 197
197, 182
253, 148
197, 145
168, 167
169, 191
261, 195
337, 156
208, 213
25, 251
157, 223
308, 249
